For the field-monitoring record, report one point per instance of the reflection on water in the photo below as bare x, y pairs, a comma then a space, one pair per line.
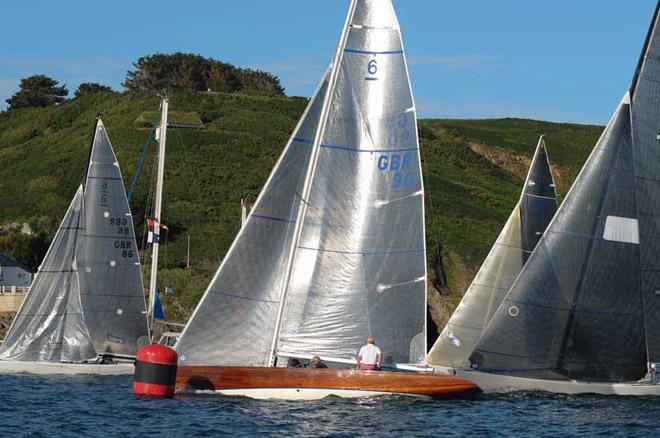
105, 406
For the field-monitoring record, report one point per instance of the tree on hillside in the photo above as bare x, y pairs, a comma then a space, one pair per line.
27, 249
185, 71
90, 88
38, 91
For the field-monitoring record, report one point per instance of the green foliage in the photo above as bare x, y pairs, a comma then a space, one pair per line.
209, 170
189, 118
38, 91
90, 88
188, 72
28, 249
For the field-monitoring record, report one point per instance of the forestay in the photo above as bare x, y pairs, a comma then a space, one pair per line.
522, 231
49, 325
360, 265
111, 289
576, 311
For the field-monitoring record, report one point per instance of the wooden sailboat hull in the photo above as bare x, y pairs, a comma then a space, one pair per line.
496, 383
303, 383
59, 368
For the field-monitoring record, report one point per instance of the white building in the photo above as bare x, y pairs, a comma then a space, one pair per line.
15, 280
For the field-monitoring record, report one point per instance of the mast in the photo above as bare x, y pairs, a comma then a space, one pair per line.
91, 148
645, 49
309, 176
157, 208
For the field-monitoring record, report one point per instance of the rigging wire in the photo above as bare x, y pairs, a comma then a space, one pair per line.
142, 156
436, 237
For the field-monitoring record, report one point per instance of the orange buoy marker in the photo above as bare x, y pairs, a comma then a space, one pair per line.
155, 371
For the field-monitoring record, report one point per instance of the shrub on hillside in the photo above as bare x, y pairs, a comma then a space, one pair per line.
188, 72
90, 88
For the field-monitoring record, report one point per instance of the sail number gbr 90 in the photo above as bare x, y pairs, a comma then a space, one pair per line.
400, 166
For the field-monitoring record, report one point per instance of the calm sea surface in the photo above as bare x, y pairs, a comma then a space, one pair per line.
105, 406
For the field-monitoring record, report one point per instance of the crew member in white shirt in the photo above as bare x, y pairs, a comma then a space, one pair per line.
370, 356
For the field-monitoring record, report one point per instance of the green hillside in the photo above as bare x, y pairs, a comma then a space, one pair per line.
473, 170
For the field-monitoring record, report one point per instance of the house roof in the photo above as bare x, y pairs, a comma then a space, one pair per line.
6, 261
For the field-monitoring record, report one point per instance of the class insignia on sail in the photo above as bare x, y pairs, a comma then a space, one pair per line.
520, 235
87, 298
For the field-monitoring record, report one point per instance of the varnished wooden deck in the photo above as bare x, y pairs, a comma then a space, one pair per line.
217, 378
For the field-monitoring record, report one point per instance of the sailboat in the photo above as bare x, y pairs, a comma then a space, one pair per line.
520, 235
583, 316
85, 310
334, 249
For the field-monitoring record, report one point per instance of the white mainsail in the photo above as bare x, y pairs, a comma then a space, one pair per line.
87, 297
352, 261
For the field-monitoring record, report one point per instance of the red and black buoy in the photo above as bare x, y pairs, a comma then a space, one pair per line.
155, 371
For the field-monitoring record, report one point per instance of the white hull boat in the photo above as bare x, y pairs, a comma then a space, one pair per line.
63, 368
583, 314
87, 300
497, 383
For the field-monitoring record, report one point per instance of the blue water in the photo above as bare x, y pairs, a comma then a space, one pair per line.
105, 406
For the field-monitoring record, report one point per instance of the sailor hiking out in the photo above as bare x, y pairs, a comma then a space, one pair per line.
370, 356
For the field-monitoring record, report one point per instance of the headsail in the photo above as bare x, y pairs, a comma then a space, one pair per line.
234, 322
111, 289
360, 264
50, 325
521, 233
575, 311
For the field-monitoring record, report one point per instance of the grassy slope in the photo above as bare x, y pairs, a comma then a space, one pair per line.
43, 153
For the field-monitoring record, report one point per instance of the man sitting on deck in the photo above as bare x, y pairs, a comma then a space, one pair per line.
370, 356
652, 376
316, 362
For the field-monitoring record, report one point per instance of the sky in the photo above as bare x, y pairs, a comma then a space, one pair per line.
559, 60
